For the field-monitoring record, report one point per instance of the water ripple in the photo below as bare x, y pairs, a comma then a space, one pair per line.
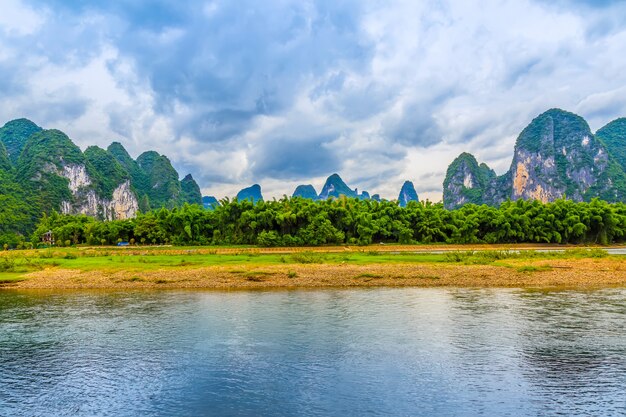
453, 352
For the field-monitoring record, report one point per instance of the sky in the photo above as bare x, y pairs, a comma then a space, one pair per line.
287, 92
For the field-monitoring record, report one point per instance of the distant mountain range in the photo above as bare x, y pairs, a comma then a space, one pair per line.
334, 187
43, 170
555, 156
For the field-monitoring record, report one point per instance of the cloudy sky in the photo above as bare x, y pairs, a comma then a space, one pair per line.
283, 92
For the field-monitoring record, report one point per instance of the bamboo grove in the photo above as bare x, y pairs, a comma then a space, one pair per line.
304, 222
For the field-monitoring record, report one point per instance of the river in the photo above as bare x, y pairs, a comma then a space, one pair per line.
405, 352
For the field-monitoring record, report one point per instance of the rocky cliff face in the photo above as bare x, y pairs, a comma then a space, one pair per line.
65, 179
155, 181
54, 174
466, 181
86, 200
556, 156
407, 193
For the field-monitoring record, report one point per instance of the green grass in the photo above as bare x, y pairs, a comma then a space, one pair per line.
493, 256
15, 264
10, 278
533, 268
368, 275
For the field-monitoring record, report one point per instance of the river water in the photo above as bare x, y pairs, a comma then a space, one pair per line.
446, 352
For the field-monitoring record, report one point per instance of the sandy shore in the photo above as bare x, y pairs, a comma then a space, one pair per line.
540, 273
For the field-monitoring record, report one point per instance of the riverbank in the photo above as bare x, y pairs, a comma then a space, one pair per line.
249, 268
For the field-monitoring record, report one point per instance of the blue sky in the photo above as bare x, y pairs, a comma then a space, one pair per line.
284, 92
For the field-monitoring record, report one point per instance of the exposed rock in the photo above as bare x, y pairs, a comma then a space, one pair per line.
77, 175
556, 156
122, 204
465, 181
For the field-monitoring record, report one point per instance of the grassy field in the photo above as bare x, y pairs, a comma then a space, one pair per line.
139, 265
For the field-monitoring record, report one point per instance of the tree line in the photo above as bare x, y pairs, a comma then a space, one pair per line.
303, 222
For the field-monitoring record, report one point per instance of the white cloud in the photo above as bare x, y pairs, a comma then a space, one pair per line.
396, 90
17, 19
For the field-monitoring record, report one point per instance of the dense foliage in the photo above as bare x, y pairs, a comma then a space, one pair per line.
14, 135
104, 170
298, 221
5, 164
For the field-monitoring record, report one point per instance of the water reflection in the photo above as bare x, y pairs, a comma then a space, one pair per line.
339, 352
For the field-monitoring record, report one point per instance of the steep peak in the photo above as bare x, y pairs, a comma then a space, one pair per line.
407, 193
617, 126
466, 157
105, 170
209, 202
252, 193
22, 123
556, 112
613, 137
305, 191
190, 191
118, 150
51, 145
14, 135
148, 156
149, 159
552, 130
465, 181
334, 187
95, 148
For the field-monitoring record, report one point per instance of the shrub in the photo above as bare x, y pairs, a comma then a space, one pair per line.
268, 239
307, 258
7, 265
